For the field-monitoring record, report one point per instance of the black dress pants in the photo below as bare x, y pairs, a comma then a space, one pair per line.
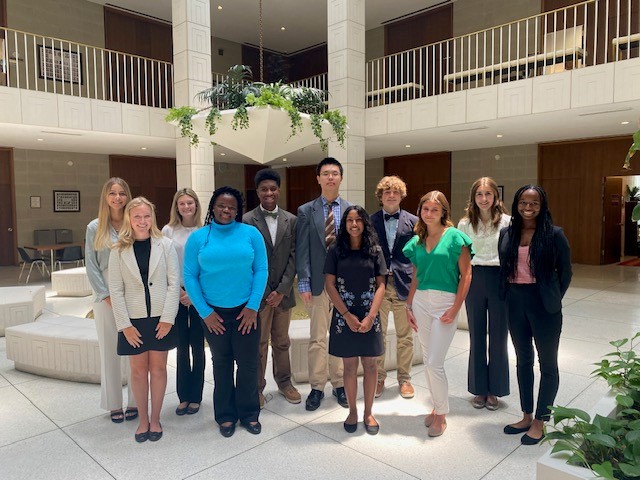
189, 355
486, 313
529, 322
234, 399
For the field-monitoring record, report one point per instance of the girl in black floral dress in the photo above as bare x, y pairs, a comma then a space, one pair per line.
355, 272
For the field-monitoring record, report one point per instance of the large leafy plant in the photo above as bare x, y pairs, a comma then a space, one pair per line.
610, 447
238, 91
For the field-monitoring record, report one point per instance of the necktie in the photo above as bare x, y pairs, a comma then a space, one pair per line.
270, 214
329, 227
387, 217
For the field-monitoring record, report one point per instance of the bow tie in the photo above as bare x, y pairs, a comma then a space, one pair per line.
388, 217
270, 214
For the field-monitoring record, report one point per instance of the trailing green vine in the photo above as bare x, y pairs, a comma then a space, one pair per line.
183, 116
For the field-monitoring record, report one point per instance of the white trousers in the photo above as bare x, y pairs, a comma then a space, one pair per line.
110, 362
435, 338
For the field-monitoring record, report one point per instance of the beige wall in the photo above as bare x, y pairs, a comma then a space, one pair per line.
232, 55
39, 173
511, 167
75, 20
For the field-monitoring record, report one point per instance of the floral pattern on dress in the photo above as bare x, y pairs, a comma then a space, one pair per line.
348, 299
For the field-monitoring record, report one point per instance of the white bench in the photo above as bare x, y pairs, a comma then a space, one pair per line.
20, 305
623, 43
72, 282
58, 347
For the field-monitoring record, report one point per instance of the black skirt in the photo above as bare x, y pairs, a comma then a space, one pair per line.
147, 329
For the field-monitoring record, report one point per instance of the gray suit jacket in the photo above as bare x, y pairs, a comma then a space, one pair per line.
281, 256
311, 246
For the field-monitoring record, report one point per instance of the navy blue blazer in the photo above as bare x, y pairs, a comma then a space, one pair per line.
399, 265
551, 292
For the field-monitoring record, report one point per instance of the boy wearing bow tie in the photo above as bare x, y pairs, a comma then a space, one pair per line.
394, 227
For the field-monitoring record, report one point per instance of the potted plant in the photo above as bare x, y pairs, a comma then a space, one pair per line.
238, 95
608, 444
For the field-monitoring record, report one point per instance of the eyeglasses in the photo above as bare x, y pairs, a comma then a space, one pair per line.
534, 205
225, 207
329, 174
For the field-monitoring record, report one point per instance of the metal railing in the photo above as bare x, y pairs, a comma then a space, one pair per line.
588, 33
47, 64
316, 81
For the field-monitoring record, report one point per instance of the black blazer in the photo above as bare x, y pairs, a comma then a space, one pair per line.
551, 292
400, 266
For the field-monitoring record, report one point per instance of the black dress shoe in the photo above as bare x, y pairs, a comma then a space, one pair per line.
314, 399
511, 430
350, 427
253, 428
142, 437
228, 431
527, 440
341, 396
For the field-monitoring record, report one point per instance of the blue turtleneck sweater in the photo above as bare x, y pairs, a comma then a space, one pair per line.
225, 266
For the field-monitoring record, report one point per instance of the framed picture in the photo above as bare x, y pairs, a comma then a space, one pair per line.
66, 200
35, 202
501, 192
60, 65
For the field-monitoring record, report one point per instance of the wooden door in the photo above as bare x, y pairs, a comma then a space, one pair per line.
302, 186
422, 173
612, 220
8, 232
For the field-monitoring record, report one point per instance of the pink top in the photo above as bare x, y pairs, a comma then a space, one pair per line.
523, 275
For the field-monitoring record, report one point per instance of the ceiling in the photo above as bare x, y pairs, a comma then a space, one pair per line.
305, 21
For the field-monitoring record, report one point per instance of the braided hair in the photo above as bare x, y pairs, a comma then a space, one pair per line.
541, 248
369, 246
224, 191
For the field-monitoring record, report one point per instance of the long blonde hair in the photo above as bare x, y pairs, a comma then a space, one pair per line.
433, 196
175, 219
103, 235
473, 211
126, 237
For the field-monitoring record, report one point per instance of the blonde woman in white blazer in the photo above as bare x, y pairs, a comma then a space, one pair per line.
144, 282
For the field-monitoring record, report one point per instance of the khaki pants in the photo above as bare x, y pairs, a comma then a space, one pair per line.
274, 325
320, 315
391, 303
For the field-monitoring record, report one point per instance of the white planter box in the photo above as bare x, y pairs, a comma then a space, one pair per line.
555, 466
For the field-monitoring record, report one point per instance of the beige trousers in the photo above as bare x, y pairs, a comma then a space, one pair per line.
320, 315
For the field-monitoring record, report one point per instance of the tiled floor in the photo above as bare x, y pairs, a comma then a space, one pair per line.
54, 429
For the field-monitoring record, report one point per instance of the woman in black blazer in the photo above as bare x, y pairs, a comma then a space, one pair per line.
535, 272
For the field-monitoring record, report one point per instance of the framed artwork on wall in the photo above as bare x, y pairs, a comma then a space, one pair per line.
60, 65
35, 202
66, 200
501, 192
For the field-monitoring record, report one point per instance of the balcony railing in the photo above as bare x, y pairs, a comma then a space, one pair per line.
47, 64
588, 33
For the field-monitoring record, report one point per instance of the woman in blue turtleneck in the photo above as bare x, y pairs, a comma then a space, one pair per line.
225, 274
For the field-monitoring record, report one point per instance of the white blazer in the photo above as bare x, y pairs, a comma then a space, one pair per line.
127, 290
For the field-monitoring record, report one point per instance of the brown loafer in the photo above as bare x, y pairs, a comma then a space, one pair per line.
406, 390
437, 431
379, 388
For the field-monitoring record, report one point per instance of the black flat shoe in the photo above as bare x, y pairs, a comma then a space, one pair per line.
314, 399
350, 427
527, 440
131, 414
341, 397
253, 428
142, 437
511, 430
228, 431
192, 410
371, 429
155, 436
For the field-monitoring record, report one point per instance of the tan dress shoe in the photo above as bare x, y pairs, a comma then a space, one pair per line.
379, 388
406, 390
291, 394
436, 431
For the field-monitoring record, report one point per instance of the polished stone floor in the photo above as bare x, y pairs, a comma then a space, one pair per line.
54, 429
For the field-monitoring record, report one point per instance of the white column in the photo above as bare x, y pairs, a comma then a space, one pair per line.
346, 49
192, 74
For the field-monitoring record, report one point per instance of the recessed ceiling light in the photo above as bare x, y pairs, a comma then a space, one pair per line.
284, 159
40, 139
143, 148
624, 123
499, 135
219, 7
222, 154
407, 146
282, 28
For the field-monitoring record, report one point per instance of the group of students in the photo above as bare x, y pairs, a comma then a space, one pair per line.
231, 282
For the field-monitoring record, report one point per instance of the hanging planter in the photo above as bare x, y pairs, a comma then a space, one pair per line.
278, 119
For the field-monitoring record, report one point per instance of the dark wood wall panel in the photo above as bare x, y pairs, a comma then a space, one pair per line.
286, 68
302, 186
308, 63
572, 174
251, 197
151, 177
8, 230
3, 15
422, 173
423, 29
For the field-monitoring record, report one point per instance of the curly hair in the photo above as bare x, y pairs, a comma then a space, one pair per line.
224, 191
437, 196
391, 182
473, 211
175, 219
541, 248
126, 236
370, 244
267, 174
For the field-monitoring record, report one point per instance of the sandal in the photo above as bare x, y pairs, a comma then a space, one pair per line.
131, 413
117, 416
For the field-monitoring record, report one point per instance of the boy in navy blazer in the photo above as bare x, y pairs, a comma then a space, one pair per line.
394, 227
